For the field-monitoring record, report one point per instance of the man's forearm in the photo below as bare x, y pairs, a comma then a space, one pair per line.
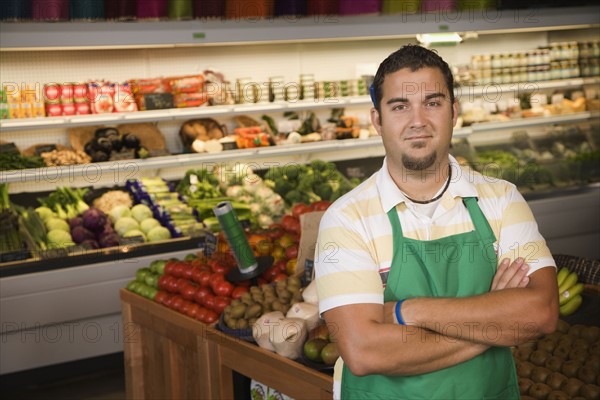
499, 318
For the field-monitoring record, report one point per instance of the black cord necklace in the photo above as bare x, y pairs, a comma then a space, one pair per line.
439, 196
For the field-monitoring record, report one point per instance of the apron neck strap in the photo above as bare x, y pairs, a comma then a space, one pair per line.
480, 222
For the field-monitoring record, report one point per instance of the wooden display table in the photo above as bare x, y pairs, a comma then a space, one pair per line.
171, 356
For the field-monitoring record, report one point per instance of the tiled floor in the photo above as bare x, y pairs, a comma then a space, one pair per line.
104, 380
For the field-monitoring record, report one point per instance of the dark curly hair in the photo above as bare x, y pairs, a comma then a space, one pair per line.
414, 57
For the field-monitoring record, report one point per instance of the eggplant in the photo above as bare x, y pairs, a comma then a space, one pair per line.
106, 132
116, 142
131, 141
105, 145
99, 156
89, 148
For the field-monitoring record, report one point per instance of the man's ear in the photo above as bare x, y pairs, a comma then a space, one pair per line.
454, 112
376, 120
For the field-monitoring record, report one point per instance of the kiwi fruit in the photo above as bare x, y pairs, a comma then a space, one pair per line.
525, 384
540, 374
595, 348
531, 344
539, 357
525, 369
561, 351
539, 390
566, 340
593, 360
580, 344
579, 354
570, 368
575, 330
571, 386
587, 374
527, 398
554, 363
555, 380
547, 345
557, 395
591, 334
590, 392
524, 354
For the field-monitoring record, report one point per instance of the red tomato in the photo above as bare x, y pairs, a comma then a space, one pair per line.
209, 301
280, 265
247, 283
177, 303
185, 307
216, 277
321, 205
169, 267
238, 291
161, 296
193, 310
217, 266
201, 314
220, 303
280, 277
275, 231
261, 281
177, 270
196, 274
162, 282
168, 301
204, 278
270, 273
299, 209
222, 288
187, 272
211, 317
291, 252
290, 223
201, 293
188, 291
172, 285
181, 283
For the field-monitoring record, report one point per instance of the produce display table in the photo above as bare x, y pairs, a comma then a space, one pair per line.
169, 355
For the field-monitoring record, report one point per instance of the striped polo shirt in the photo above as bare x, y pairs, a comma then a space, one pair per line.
354, 246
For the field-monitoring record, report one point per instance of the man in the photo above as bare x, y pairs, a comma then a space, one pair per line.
413, 267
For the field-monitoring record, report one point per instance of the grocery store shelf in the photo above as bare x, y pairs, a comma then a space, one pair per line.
177, 113
537, 121
98, 35
114, 168
261, 154
492, 90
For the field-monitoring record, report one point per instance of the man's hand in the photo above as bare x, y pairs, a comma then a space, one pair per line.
510, 275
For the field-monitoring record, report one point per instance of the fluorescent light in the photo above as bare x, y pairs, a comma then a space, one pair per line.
446, 38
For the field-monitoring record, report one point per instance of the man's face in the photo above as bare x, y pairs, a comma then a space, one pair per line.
416, 118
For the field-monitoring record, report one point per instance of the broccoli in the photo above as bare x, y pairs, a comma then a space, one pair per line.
323, 190
296, 196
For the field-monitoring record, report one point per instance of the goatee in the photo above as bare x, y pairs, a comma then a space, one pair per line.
418, 164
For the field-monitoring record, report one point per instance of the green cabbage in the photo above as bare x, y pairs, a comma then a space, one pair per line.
147, 225
126, 224
159, 233
141, 212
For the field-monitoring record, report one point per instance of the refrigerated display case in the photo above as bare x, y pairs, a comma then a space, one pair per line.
562, 191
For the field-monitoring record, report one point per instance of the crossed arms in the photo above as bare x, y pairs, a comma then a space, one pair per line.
442, 332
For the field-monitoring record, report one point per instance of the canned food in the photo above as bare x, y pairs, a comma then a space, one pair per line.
68, 109
80, 92
66, 93
82, 108
52, 93
53, 110
37, 109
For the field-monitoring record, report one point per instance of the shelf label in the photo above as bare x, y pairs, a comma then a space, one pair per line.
199, 35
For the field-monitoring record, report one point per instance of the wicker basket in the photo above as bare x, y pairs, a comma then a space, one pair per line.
587, 269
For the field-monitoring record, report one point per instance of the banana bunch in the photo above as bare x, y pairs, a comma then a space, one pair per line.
569, 292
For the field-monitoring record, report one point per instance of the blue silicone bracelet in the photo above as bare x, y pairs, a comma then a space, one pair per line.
398, 315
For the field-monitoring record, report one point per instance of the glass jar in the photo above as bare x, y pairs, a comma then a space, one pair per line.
574, 50
595, 49
574, 71
496, 61
486, 61
584, 50
555, 70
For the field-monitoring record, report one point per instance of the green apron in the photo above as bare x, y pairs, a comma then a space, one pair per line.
455, 266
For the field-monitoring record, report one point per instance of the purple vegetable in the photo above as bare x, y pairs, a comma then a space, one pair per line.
81, 234
73, 222
109, 240
94, 219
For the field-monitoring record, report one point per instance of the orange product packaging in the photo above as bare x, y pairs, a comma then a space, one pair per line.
123, 99
251, 137
236, 9
153, 85
186, 84
183, 100
101, 97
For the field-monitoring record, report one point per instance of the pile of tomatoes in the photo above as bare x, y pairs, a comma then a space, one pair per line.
198, 288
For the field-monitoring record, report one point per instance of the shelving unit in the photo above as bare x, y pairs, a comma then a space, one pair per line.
77, 35
166, 44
